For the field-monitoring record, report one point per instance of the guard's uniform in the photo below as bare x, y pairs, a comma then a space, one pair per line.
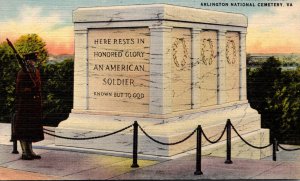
28, 124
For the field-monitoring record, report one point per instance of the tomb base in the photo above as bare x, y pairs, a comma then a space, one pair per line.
168, 129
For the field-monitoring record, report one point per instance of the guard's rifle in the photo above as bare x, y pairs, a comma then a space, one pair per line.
24, 64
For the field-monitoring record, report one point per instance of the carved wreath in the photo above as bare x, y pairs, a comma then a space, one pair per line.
175, 45
207, 44
230, 50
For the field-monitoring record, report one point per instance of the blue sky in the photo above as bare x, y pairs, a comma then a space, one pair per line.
271, 29
66, 6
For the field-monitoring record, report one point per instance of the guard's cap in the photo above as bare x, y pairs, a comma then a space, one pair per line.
31, 56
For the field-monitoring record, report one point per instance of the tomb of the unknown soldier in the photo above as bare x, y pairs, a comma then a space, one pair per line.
170, 68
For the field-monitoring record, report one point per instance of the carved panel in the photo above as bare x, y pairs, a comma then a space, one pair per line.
232, 79
207, 80
118, 78
181, 69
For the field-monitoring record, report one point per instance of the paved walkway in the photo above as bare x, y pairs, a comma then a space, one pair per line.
74, 165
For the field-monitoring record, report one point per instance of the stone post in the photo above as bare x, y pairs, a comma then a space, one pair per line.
243, 67
221, 94
160, 70
81, 71
195, 68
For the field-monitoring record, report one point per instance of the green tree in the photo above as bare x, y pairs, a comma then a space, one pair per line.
275, 94
261, 83
286, 103
9, 68
57, 90
32, 43
8, 72
57, 80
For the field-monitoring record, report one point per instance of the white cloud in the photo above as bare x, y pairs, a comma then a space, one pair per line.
50, 27
277, 31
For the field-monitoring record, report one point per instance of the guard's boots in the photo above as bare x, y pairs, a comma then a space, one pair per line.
26, 155
35, 156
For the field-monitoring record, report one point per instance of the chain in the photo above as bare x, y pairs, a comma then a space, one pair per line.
48, 130
217, 140
286, 149
257, 147
162, 143
88, 138
174, 143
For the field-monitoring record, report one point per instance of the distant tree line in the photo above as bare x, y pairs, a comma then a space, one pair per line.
57, 80
285, 60
276, 95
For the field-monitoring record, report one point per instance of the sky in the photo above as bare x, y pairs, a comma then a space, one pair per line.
270, 29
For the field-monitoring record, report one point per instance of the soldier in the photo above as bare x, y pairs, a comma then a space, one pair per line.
28, 126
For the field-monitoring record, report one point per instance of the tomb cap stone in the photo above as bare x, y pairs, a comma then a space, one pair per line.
157, 12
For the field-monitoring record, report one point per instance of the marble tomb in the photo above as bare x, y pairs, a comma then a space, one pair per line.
168, 67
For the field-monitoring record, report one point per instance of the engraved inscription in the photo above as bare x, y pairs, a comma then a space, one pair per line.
119, 69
